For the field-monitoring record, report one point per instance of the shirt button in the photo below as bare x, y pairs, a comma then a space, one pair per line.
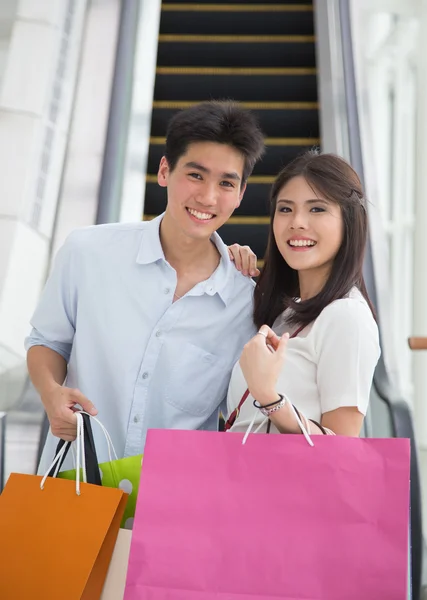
145, 375
158, 333
167, 290
136, 419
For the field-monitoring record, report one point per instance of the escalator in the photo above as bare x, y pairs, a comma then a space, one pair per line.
262, 55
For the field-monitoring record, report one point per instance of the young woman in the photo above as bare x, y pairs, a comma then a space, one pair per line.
313, 359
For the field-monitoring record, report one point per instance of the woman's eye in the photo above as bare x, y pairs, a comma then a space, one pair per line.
284, 209
317, 209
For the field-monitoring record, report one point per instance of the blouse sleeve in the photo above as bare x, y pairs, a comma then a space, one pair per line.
347, 349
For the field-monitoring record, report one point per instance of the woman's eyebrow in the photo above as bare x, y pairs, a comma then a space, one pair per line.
310, 201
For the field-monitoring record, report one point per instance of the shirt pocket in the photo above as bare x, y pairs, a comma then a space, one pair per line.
198, 380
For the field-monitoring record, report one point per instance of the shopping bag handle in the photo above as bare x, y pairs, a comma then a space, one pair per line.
91, 459
81, 455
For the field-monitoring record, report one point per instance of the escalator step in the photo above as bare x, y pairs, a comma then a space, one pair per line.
253, 235
255, 202
286, 84
221, 51
291, 120
237, 19
278, 153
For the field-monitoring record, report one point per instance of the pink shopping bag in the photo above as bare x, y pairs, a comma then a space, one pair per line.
273, 518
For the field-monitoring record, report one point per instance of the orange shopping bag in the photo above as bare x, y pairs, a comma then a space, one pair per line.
57, 536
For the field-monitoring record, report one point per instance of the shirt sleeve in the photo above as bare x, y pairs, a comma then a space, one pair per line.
54, 319
347, 348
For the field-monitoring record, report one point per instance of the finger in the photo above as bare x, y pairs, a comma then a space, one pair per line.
267, 332
234, 250
257, 273
283, 342
230, 254
245, 253
271, 338
85, 403
68, 437
252, 264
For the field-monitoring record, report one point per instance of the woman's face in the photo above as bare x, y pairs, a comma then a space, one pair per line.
308, 228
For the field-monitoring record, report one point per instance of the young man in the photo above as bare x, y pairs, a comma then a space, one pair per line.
145, 321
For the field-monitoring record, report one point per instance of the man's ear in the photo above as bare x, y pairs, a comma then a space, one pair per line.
242, 191
163, 172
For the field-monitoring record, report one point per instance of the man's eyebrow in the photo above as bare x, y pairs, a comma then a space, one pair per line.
194, 165
232, 175
199, 167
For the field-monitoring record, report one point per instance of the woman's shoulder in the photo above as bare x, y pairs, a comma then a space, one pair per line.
347, 314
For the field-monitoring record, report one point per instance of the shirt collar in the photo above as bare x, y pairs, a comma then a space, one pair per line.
220, 282
150, 248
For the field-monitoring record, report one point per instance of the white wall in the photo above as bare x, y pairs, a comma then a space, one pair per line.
40, 68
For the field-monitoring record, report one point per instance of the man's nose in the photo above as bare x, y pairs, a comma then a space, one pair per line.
208, 196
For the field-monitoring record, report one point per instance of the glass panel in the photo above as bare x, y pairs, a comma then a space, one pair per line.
7, 16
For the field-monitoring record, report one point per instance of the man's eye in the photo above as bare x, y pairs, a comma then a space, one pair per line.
195, 175
227, 184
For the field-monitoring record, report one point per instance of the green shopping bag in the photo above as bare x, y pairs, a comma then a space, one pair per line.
122, 473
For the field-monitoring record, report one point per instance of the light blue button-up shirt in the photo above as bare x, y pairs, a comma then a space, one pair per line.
144, 361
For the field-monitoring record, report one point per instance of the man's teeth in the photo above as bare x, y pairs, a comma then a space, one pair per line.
199, 215
301, 243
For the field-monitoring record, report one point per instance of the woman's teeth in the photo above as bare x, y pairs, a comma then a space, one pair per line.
301, 243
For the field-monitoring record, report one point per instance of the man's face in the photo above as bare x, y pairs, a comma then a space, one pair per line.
204, 188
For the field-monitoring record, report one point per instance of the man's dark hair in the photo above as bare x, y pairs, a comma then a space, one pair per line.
278, 286
219, 121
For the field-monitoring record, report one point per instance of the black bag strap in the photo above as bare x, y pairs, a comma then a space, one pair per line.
92, 467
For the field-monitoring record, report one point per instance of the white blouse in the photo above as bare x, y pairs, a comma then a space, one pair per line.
330, 364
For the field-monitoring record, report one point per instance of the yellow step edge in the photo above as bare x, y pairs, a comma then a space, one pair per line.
248, 221
235, 71
236, 7
177, 104
159, 141
292, 141
237, 39
231, 220
259, 179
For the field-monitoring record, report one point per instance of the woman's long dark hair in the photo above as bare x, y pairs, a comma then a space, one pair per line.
278, 286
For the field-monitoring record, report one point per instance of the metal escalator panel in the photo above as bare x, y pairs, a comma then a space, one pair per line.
262, 55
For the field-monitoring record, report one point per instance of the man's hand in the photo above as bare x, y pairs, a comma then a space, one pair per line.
60, 404
244, 259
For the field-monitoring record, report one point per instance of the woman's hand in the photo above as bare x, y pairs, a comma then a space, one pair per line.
244, 259
261, 363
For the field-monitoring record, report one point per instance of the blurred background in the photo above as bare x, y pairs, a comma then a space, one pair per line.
86, 90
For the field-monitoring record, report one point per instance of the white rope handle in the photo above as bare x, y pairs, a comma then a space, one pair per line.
110, 444
80, 443
304, 431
